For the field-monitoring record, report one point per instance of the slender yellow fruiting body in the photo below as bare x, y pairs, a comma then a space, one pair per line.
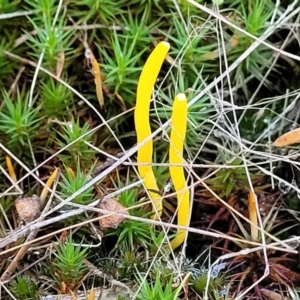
178, 132
45, 190
71, 172
96, 72
11, 170
253, 216
142, 124
92, 295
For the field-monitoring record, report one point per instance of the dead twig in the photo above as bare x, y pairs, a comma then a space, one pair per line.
23, 251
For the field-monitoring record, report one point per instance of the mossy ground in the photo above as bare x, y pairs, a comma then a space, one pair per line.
238, 63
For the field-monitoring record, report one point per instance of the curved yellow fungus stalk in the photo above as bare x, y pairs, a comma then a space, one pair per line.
96, 72
253, 216
71, 172
11, 170
178, 131
45, 190
142, 125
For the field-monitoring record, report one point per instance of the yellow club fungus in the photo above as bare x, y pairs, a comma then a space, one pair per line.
96, 72
11, 170
142, 124
178, 131
71, 172
46, 188
253, 216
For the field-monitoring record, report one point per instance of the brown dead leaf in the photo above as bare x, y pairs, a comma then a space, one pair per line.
63, 236
111, 221
28, 208
288, 138
106, 89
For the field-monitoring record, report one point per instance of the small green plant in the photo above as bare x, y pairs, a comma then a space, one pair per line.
192, 46
157, 290
75, 151
130, 263
44, 10
72, 182
255, 17
137, 30
68, 267
24, 288
6, 67
199, 280
8, 6
124, 266
132, 233
55, 42
104, 11
50, 39
122, 67
56, 99
228, 180
157, 239
18, 121
122, 298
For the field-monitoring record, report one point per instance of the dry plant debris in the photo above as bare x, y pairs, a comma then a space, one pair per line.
112, 220
288, 138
